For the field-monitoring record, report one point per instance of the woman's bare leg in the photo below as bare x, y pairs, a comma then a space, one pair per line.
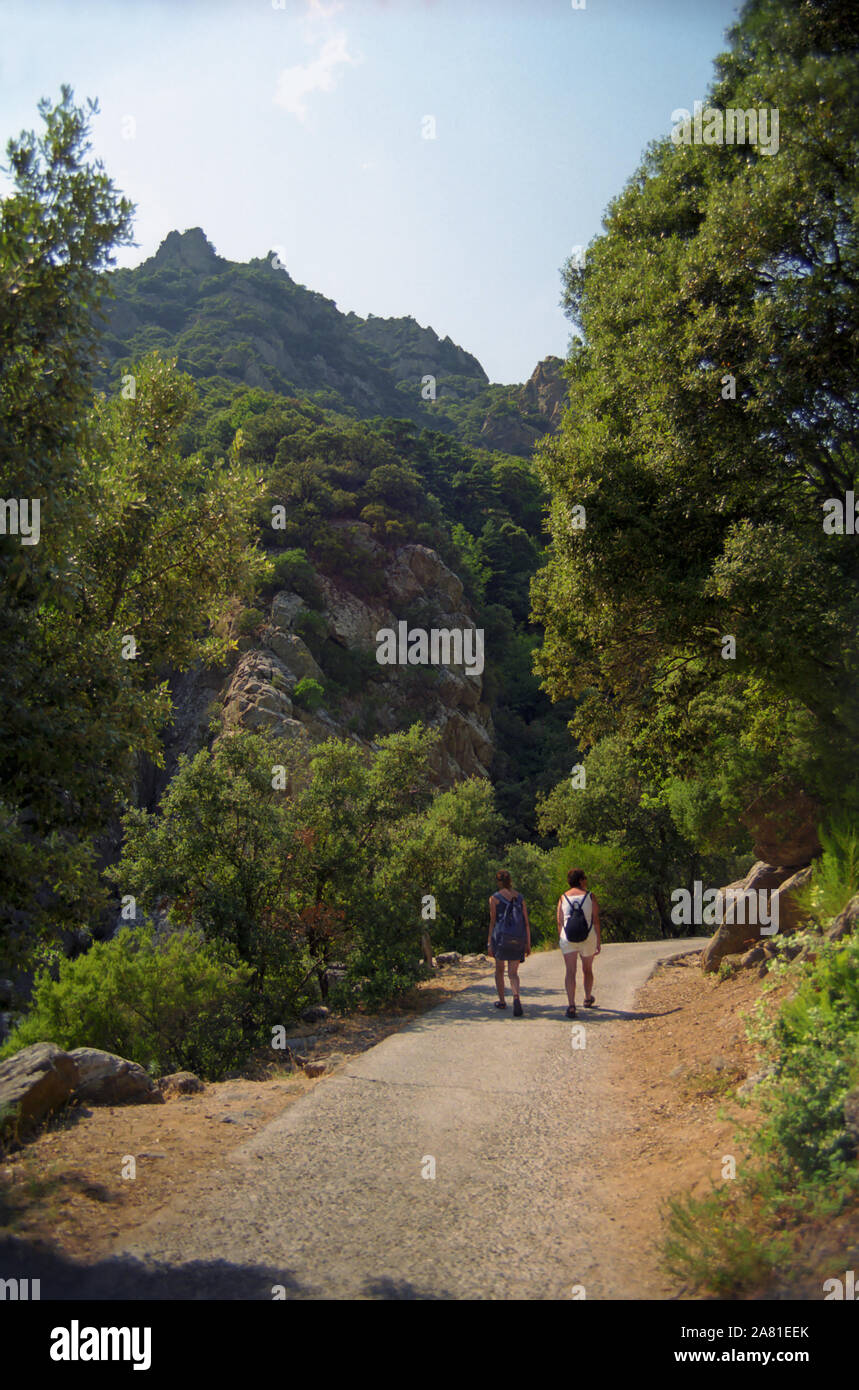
588, 972
570, 960
499, 979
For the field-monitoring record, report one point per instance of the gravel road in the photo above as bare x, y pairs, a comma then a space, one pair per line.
330, 1200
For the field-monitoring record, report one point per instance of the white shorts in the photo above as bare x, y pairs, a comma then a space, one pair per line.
588, 947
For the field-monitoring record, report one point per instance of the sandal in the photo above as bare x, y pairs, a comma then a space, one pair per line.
571, 1011
499, 1004
590, 1001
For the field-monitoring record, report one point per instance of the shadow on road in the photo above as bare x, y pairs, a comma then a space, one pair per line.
125, 1279
478, 1003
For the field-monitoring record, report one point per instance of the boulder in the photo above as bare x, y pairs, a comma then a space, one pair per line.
738, 937
753, 957
417, 571
315, 1014
295, 655
353, 621
790, 914
181, 1083
752, 1082
285, 608
846, 921
106, 1079
784, 829
36, 1081
315, 1068
449, 958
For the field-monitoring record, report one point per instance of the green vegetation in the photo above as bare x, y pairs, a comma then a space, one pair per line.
168, 1004
704, 512
139, 545
308, 693
802, 1167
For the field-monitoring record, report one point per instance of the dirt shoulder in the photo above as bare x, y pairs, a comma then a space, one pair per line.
65, 1188
682, 1064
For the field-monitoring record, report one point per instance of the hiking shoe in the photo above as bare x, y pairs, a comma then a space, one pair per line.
517, 1007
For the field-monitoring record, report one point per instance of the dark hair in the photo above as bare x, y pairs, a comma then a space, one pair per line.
504, 879
576, 877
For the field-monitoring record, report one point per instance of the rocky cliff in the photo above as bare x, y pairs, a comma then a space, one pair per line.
418, 587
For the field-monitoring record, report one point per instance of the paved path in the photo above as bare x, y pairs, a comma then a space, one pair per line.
329, 1200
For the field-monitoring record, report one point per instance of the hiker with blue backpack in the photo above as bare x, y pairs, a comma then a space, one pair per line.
509, 938
579, 935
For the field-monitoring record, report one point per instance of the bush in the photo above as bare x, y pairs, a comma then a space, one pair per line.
248, 621
312, 628
835, 878
619, 884
308, 694
292, 570
170, 1005
814, 1046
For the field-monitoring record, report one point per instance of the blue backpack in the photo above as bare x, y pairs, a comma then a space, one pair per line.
510, 931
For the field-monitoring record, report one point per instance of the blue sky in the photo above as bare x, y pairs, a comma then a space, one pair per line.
301, 125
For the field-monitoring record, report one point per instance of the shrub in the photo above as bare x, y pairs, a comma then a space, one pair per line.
814, 1045
312, 628
170, 1004
308, 694
835, 877
292, 570
248, 621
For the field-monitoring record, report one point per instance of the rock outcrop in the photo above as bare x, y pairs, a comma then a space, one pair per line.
545, 391
259, 691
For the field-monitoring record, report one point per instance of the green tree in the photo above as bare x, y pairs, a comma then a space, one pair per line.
713, 411
139, 544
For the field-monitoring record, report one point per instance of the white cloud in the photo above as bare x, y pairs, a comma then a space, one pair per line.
319, 74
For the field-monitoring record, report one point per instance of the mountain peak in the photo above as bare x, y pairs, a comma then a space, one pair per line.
188, 250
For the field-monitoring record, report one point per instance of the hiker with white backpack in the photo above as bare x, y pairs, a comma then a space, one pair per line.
579, 935
509, 938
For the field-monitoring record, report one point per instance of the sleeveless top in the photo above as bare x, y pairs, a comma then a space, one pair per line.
587, 906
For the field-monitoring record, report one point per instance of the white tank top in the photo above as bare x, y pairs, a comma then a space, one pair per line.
587, 906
